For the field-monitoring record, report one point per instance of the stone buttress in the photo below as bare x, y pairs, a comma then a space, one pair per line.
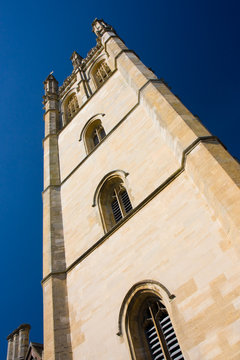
57, 343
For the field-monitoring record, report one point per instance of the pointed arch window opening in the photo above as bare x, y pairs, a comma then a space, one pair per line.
113, 201
93, 135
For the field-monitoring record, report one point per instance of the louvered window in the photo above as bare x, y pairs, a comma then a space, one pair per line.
121, 203
159, 332
153, 341
98, 134
126, 201
116, 210
114, 201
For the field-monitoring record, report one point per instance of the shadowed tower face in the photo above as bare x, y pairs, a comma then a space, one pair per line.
140, 218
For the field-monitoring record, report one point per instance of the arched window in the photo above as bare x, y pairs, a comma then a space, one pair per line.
98, 134
114, 202
101, 72
93, 134
150, 330
71, 107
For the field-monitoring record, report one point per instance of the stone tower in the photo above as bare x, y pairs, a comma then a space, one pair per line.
141, 223
18, 343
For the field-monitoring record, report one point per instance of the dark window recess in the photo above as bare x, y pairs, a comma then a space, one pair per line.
102, 133
97, 135
126, 201
116, 210
95, 140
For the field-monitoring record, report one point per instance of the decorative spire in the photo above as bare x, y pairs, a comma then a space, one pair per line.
76, 60
99, 27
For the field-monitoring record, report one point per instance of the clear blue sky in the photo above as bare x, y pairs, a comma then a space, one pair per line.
193, 45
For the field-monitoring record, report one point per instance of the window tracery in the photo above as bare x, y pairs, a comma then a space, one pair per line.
114, 202
72, 107
93, 135
98, 134
101, 73
120, 204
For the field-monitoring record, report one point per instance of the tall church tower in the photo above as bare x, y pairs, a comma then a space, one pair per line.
141, 228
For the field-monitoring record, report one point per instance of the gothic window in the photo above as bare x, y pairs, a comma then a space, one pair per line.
101, 73
98, 134
93, 135
120, 204
114, 202
152, 335
71, 107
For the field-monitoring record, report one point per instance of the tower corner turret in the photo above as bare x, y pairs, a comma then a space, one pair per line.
99, 27
50, 84
76, 60
51, 105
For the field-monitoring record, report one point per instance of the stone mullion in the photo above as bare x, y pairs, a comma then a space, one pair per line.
160, 335
121, 207
85, 86
98, 131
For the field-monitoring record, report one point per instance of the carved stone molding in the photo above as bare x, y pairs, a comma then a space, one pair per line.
76, 60
67, 83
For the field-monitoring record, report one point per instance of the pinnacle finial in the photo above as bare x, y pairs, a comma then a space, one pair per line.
51, 77
76, 60
99, 27
51, 84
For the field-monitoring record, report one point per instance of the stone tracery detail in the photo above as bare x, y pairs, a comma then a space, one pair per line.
72, 107
101, 73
